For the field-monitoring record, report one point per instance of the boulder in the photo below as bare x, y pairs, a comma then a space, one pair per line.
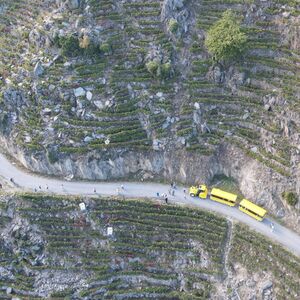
89, 95
79, 92
38, 69
74, 4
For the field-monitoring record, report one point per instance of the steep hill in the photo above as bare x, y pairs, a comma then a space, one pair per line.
49, 247
112, 89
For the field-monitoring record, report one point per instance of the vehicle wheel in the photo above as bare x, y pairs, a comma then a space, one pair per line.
192, 195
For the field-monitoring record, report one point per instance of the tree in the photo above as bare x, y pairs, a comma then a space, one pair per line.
225, 39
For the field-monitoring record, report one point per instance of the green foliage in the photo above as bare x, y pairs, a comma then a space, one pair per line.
52, 156
152, 67
69, 45
290, 198
225, 40
105, 48
159, 70
166, 70
72, 46
173, 25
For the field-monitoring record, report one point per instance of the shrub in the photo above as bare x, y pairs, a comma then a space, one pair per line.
173, 25
159, 70
166, 70
105, 48
290, 197
152, 67
69, 45
52, 156
225, 40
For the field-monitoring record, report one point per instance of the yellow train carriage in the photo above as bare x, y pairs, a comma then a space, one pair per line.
252, 209
223, 197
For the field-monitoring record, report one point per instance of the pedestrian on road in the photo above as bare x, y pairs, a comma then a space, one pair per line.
157, 194
11, 180
0, 185
122, 186
184, 191
40, 187
35, 189
171, 185
94, 190
47, 187
173, 193
166, 199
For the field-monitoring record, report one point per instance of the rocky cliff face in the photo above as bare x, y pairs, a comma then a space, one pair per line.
113, 89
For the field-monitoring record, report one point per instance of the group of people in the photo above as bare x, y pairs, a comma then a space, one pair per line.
171, 192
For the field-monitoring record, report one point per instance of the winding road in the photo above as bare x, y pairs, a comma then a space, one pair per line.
31, 182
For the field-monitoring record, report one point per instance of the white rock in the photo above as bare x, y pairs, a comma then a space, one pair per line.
82, 206
46, 111
89, 95
197, 105
51, 87
254, 149
109, 230
99, 104
88, 139
79, 92
28, 139
286, 14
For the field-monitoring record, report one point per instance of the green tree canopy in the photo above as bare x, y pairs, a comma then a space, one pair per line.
225, 39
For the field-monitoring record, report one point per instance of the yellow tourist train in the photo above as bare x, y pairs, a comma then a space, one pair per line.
230, 199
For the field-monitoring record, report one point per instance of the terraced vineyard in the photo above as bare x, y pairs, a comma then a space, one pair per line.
260, 256
155, 251
50, 247
130, 108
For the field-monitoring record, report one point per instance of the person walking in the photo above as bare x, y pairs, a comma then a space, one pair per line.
166, 200
157, 194
122, 186
40, 187
47, 187
272, 227
95, 190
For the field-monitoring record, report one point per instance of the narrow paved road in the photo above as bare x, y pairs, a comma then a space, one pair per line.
30, 182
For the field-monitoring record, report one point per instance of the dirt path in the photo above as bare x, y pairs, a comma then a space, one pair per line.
32, 182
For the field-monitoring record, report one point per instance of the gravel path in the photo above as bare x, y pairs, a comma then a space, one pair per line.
30, 182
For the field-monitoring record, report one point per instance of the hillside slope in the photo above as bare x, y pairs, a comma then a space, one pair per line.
109, 89
49, 247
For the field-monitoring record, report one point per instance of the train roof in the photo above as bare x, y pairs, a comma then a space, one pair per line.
253, 207
223, 194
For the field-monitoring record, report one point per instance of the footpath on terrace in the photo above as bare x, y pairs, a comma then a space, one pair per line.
33, 182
